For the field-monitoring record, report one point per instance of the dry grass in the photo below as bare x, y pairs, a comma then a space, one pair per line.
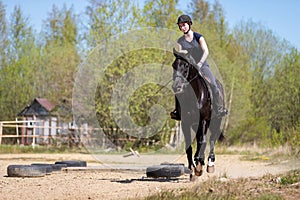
284, 186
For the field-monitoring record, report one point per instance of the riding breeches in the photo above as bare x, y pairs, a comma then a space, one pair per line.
206, 72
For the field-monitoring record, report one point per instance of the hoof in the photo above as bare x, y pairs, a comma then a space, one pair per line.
210, 169
198, 170
193, 178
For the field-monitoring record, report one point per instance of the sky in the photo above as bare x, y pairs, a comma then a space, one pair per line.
281, 16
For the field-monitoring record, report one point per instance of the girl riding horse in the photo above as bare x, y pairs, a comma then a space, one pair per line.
195, 44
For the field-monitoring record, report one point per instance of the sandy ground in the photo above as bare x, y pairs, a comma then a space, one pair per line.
117, 177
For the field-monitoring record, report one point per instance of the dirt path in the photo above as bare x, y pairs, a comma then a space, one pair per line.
101, 180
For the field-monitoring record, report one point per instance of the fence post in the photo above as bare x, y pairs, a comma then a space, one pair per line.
33, 141
0, 132
17, 131
34, 131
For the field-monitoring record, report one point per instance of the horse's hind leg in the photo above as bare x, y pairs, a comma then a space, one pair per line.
215, 134
211, 157
211, 164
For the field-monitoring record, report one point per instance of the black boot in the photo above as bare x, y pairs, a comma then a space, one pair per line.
219, 109
175, 114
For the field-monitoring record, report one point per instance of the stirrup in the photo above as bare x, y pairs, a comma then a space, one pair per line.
175, 115
222, 112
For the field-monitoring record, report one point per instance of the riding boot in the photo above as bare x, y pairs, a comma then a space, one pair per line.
175, 114
219, 109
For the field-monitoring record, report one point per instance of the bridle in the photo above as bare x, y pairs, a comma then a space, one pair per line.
185, 78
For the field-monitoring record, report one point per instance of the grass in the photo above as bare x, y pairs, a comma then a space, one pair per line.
16, 149
291, 178
249, 152
256, 153
269, 187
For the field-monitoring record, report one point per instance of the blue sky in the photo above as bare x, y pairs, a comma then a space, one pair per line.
279, 16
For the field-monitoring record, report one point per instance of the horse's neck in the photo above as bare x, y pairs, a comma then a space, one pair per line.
201, 87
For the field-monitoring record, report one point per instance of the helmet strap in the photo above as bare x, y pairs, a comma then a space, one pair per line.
188, 30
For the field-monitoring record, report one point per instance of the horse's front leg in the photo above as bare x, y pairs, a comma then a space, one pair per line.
189, 154
199, 156
188, 146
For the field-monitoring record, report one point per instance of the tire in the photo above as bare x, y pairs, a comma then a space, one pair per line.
58, 167
72, 163
48, 167
167, 163
165, 170
185, 169
53, 167
26, 171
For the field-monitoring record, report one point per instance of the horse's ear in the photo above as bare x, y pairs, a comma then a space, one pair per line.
180, 53
184, 52
175, 52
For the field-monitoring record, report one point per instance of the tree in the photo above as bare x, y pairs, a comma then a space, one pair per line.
106, 22
17, 76
200, 10
264, 51
60, 57
3, 35
284, 94
163, 13
108, 18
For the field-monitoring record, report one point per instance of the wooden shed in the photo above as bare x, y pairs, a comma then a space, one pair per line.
41, 125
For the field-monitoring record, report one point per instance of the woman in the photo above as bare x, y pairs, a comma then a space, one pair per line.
195, 44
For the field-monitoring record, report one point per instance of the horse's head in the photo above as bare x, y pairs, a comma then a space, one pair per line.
184, 70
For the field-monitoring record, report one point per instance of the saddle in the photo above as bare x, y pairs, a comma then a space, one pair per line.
212, 97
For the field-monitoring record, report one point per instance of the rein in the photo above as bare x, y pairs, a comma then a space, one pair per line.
190, 81
196, 76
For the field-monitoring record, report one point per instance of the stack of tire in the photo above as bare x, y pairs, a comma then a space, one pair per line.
41, 169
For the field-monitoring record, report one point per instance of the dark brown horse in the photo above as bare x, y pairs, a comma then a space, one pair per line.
192, 93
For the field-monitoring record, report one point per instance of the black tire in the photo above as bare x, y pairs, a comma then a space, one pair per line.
165, 170
185, 169
26, 171
53, 167
48, 167
177, 164
58, 167
72, 163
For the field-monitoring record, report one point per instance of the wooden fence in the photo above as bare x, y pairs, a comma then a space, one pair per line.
67, 135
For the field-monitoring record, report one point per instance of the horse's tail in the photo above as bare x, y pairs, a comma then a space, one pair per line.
222, 137
222, 94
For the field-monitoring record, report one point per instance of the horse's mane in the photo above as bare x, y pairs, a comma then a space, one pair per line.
185, 56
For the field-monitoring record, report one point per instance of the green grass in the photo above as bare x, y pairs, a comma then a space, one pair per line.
291, 178
15, 149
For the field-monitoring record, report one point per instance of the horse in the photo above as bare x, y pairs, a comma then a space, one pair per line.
196, 112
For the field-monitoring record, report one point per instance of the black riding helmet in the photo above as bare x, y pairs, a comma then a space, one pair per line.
184, 19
